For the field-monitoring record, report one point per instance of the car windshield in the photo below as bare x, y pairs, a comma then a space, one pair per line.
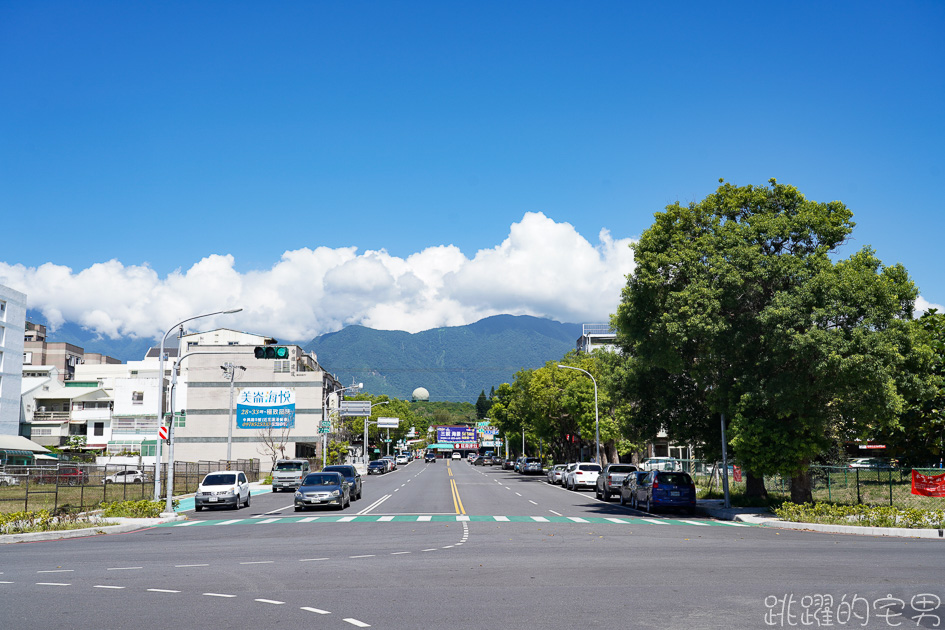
347, 471
622, 469
591, 467
378, 462
289, 466
321, 480
219, 480
675, 479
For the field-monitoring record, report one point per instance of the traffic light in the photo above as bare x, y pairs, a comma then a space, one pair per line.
271, 352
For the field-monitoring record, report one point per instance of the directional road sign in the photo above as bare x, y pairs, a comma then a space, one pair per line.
356, 408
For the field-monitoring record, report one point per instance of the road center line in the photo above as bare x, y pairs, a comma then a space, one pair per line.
311, 559
117, 588
368, 555
218, 595
124, 568
398, 553
161, 590
259, 562
270, 601
355, 622
187, 566
317, 611
532, 502
57, 571
52, 584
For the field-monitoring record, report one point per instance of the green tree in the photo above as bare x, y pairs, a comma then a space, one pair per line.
482, 406
737, 307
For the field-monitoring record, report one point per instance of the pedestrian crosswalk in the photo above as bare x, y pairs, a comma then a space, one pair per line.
454, 518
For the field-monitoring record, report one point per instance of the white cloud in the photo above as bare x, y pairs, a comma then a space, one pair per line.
922, 305
543, 268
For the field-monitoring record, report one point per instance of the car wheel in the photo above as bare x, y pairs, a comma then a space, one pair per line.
138, 481
649, 506
298, 508
248, 498
198, 508
597, 494
605, 495
633, 502
623, 501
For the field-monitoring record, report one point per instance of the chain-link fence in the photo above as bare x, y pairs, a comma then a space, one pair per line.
80, 486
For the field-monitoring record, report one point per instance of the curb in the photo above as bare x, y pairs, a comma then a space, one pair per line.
124, 526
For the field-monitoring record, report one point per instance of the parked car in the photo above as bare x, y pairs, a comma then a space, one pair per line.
487, 460
610, 480
323, 488
530, 466
582, 475
508, 464
555, 472
287, 474
518, 463
392, 460
660, 463
64, 475
377, 467
662, 488
225, 488
402, 459
126, 476
456, 455
8, 480
430, 457
351, 475
479, 461
629, 486
875, 463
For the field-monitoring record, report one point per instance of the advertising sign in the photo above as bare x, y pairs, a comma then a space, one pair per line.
928, 485
262, 408
455, 434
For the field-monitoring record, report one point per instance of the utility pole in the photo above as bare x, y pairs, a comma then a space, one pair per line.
229, 371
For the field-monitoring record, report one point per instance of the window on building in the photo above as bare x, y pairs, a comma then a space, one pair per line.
180, 420
280, 366
134, 372
98, 429
27, 358
137, 398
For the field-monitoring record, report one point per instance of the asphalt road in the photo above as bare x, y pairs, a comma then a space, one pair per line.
452, 545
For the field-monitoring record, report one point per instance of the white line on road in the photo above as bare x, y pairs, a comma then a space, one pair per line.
369, 555
518, 494
57, 571
117, 588
52, 584
270, 601
161, 590
317, 611
270, 520
462, 517
617, 520
346, 519
218, 595
259, 562
311, 559
555, 513
732, 524
5, 582
231, 521
375, 504
502, 519
654, 521
124, 568
187, 524
539, 519
428, 550
532, 502
577, 519
187, 566
360, 624
385, 519
695, 523
398, 553
309, 519
423, 519
447, 547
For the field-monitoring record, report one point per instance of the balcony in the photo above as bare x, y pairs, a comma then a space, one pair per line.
89, 415
51, 416
134, 426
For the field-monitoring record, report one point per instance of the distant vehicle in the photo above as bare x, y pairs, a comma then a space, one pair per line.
377, 467
530, 466
508, 464
8, 480
351, 475
402, 459
583, 475
610, 480
126, 476
518, 463
393, 461
430, 457
875, 463
660, 463
456, 455
63, 476
287, 474
662, 488
555, 472
323, 488
226, 488
487, 460
629, 486
479, 461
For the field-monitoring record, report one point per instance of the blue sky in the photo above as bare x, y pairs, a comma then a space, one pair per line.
161, 159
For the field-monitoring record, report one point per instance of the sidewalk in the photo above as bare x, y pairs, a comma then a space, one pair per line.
713, 508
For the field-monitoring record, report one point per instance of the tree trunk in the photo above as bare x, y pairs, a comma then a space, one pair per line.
801, 487
610, 452
755, 486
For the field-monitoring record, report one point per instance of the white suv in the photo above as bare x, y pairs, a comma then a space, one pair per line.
126, 476
225, 488
582, 475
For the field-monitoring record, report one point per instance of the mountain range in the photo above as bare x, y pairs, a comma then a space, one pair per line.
453, 363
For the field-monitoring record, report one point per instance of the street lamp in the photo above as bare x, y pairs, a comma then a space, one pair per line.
366, 423
326, 413
596, 414
157, 453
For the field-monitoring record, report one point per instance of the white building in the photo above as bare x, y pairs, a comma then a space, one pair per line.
594, 336
12, 330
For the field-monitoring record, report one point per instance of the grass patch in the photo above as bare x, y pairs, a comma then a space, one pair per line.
46, 521
862, 515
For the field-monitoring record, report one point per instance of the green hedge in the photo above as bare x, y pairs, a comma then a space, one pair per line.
862, 515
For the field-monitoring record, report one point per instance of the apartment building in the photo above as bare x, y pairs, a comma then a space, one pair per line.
37, 350
12, 325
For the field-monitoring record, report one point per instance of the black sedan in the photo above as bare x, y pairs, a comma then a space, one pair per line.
377, 467
323, 488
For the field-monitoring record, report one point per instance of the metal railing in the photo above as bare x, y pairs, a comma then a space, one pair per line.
83, 487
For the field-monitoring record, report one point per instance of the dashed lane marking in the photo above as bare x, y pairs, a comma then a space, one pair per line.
162, 590
502, 519
540, 519
219, 595
460, 518
577, 519
355, 622
317, 611
270, 601
187, 566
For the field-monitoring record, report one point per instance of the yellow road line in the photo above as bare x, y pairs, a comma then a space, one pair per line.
457, 502
450, 472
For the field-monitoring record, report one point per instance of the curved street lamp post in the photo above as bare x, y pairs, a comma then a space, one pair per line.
596, 414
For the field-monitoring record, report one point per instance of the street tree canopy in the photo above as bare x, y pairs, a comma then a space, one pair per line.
737, 306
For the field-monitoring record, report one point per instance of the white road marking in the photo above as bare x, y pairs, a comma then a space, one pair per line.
695, 523
462, 517
259, 562
396, 489
577, 519
532, 502
311, 559
385, 519
187, 524
447, 547
654, 521
230, 522
369, 555
518, 494
161, 590
124, 568
52, 584
555, 513
309, 519
423, 519
375, 504
57, 571
355, 622
346, 519
117, 588
428, 550
218, 595
270, 520
617, 520
732, 524
501, 519
5, 582
539, 519
315, 610
269, 601
398, 553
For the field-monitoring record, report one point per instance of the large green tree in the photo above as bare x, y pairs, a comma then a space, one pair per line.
737, 307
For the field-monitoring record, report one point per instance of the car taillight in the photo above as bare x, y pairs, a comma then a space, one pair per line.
656, 484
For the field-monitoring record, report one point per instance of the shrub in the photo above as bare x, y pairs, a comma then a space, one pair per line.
144, 508
863, 515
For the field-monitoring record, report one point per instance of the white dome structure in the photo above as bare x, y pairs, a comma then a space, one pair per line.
420, 394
